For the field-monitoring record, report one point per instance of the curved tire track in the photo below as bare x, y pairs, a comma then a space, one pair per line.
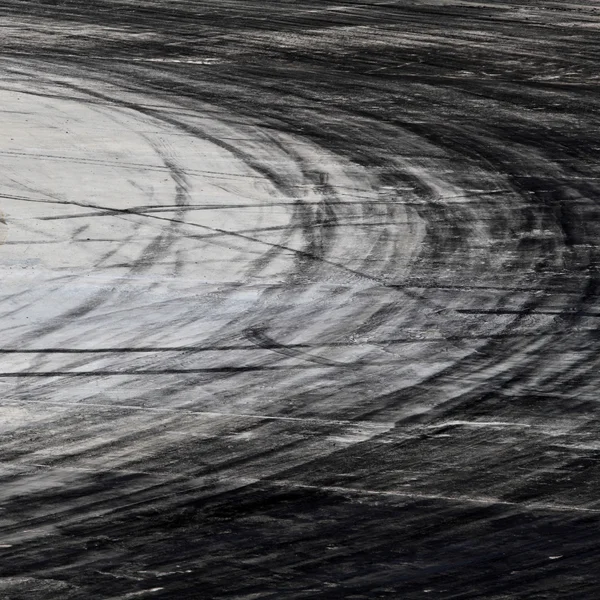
321, 329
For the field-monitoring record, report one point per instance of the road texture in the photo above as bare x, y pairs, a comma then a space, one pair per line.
299, 300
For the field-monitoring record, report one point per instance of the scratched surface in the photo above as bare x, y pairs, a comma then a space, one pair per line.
299, 300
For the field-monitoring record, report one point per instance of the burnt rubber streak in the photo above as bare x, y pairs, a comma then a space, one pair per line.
299, 300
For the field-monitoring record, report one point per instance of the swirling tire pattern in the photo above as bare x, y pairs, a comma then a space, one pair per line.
299, 300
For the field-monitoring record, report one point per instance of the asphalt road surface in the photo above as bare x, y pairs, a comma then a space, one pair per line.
299, 300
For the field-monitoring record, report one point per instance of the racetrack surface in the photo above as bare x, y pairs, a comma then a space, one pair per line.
299, 300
